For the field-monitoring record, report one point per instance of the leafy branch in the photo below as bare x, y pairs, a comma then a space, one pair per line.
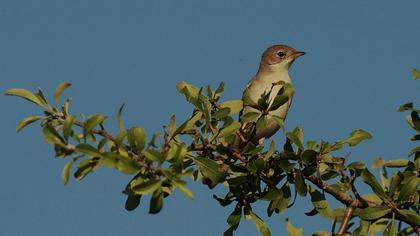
203, 148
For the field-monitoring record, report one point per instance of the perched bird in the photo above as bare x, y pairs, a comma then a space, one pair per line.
272, 75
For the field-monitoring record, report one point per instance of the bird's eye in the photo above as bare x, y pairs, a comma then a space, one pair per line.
281, 54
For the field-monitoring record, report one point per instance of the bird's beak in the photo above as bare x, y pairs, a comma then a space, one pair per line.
298, 54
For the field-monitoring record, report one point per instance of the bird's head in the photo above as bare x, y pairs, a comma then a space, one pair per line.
279, 58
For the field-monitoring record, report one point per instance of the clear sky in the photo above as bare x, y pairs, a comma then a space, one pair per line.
355, 74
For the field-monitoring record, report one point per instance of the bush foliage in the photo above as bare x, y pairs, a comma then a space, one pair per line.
201, 148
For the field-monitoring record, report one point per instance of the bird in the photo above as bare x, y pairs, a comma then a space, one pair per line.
271, 77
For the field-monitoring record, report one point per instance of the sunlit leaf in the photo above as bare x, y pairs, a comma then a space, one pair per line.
153, 155
65, 173
67, 126
410, 216
391, 229
25, 94
370, 179
147, 187
357, 136
51, 135
210, 169
409, 188
188, 124
373, 213
235, 106
399, 163
229, 130
415, 73
190, 92
59, 90
137, 138
250, 116
28, 120
88, 150
270, 151
259, 223
84, 168
182, 185
92, 122
296, 136
292, 231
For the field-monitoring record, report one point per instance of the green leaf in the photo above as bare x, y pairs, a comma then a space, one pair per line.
88, 150
122, 163
235, 106
279, 120
281, 204
65, 173
84, 168
309, 156
261, 123
28, 120
410, 216
92, 122
415, 73
321, 233
182, 185
363, 228
59, 90
190, 92
292, 231
415, 120
391, 229
408, 189
260, 224
25, 94
373, 213
229, 130
137, 138
51, 135
154, 155
270, 151
250, 117
132, 202
370, 179
156, 202
296, 136
220, 89
147, 187
378, 162
273, 194
119, 118
67, 126
188, 124
233, 220
300, 184
318, 199
405, 107
399, 163
357, 136
287, 92
357, 165
210, 169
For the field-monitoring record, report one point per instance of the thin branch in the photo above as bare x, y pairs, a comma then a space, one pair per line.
346, 219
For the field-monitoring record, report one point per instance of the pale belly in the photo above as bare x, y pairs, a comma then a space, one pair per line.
254, 93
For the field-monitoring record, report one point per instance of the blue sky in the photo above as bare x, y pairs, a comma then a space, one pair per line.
356, 72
